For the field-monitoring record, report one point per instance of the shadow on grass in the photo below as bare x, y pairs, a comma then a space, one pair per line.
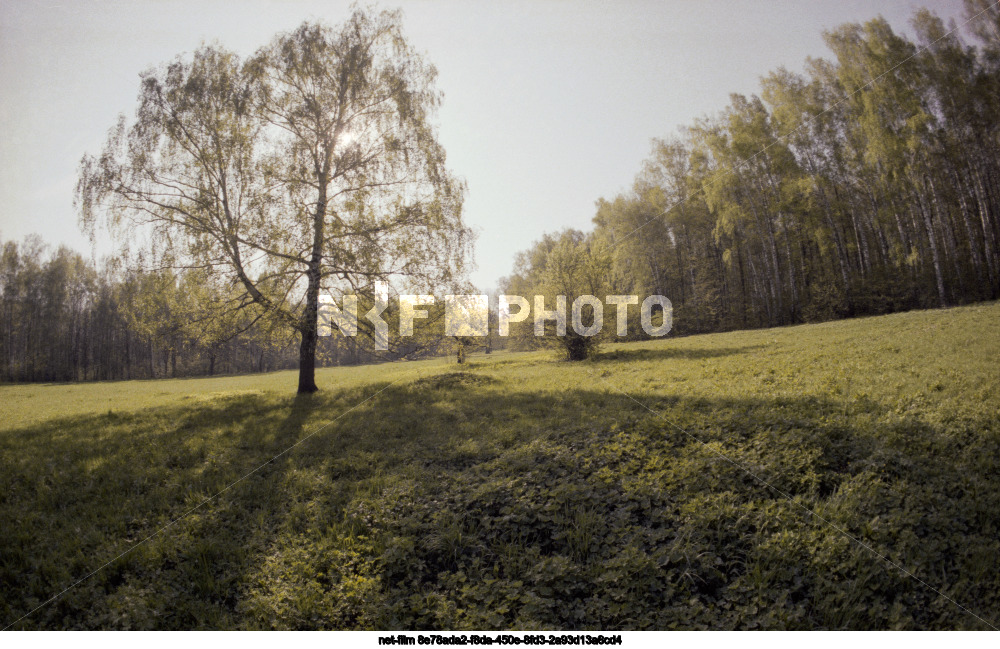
670, 353
464, 501
191, 494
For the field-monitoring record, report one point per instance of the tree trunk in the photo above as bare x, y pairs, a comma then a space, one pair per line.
309, 328
128, 354
935, 255
307, 360
842, 259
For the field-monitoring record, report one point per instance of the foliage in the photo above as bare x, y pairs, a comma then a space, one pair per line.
559, 269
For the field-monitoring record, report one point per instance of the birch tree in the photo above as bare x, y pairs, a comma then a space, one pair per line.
312, 166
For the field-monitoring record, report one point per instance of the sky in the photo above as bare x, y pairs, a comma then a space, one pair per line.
548, 105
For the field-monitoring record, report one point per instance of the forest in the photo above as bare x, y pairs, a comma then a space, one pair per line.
867, 184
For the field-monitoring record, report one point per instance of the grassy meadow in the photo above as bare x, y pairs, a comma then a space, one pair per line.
701, 482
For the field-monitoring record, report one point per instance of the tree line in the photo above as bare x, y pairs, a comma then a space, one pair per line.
867, 184
64, 318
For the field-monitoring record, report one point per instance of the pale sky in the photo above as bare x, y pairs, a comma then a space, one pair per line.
548, 105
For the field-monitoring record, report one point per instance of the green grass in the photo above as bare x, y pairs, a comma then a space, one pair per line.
520, 491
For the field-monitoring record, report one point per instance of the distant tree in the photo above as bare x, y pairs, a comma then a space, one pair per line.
556, 272
313, 165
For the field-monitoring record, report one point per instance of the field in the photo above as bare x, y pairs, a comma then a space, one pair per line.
840, 475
